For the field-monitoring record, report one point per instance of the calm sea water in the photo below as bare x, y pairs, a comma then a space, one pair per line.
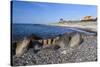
45, 31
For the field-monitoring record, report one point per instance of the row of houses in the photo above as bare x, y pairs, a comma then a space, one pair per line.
89, 18
86, 18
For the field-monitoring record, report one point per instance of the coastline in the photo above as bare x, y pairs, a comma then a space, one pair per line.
92, 26
84, 52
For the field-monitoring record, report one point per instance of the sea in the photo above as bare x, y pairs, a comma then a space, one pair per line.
19, 31
44, 31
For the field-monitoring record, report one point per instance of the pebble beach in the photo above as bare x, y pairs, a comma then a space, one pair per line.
85, 52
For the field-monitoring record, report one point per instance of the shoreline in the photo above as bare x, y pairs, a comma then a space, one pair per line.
84, 52
92, 26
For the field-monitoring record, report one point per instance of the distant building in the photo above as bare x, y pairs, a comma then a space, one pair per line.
88, 18
62, 21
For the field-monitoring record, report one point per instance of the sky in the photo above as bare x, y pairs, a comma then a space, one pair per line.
44, 13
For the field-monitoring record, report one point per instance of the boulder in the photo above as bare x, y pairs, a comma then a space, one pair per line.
63, 41
75, 40
21, 46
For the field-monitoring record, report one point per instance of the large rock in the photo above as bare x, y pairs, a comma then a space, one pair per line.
36, 46
26, 43
75, 40
63, 41
22, 46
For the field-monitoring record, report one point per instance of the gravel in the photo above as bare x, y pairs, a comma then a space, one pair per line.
85, 52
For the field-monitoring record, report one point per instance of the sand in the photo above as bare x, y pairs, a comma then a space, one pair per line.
83, 25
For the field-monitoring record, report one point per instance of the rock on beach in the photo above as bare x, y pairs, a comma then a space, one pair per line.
85, 52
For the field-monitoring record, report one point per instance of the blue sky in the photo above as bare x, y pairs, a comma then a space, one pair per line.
43, 13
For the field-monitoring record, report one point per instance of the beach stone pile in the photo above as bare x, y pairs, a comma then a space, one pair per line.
85, 52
